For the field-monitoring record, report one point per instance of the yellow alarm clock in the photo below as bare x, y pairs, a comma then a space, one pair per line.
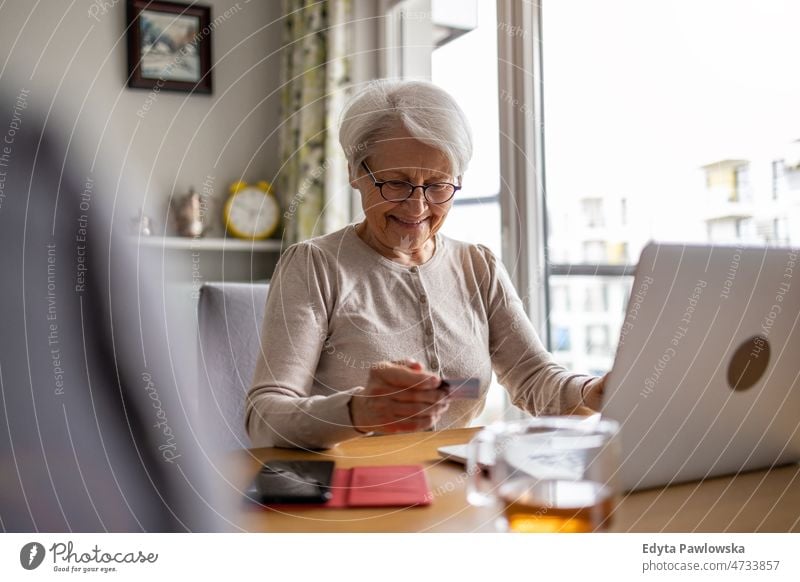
251, 211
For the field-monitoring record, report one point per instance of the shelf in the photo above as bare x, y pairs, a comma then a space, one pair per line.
207, 244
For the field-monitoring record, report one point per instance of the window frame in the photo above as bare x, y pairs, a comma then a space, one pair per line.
523, 208
523, 170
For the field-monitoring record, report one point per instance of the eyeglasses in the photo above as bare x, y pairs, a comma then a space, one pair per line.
400, 190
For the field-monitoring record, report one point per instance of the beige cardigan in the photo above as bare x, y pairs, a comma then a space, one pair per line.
336, 308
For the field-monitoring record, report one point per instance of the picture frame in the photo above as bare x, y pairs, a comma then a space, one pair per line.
169, 46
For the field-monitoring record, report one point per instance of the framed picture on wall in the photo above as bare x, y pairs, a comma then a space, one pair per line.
169, 46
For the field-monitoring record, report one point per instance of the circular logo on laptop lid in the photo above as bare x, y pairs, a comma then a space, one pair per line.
749, 362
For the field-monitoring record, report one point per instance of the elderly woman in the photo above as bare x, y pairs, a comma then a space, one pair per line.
362, 324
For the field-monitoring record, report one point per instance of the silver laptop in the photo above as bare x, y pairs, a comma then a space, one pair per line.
706, 376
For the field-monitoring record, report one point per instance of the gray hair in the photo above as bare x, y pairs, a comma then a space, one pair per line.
426, 111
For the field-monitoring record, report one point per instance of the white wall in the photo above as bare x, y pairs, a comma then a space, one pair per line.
77, 63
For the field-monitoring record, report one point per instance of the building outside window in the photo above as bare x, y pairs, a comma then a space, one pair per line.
627, 146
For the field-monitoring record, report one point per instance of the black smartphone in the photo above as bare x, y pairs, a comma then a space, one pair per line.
293, 482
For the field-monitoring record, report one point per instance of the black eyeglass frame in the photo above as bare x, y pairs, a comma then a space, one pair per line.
379, 185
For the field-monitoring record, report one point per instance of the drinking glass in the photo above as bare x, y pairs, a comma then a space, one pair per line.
547, 474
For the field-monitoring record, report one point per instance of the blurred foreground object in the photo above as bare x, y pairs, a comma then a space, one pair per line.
95, 433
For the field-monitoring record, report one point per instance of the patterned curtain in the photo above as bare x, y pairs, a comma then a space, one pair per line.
315, 73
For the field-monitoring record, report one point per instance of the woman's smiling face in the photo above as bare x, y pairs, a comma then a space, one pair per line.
402, 231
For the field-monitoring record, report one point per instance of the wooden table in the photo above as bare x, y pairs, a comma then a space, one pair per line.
759, 501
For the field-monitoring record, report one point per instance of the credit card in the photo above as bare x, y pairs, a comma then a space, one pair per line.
461, 388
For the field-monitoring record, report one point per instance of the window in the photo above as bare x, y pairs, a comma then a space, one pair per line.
598, 340
468, 33
434, 39
781, 231
777, 178
561, 339
743, 183
559, 298
619, 253
592, 212
585, 334
594, 251
475, 216
652, 132
596, 298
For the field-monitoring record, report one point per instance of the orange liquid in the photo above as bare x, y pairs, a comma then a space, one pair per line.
556, 506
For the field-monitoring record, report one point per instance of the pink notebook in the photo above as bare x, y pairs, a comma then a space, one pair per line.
386, 486
382, 486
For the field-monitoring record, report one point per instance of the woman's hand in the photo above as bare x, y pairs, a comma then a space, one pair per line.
399, 397
592, 393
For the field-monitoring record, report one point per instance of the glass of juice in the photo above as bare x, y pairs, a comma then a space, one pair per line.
547, 474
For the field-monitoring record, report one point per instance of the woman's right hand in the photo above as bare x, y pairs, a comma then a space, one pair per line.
399, 397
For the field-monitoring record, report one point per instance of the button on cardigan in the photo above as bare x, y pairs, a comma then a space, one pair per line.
337, 309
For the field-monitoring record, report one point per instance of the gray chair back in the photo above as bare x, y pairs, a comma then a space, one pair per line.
229, 320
